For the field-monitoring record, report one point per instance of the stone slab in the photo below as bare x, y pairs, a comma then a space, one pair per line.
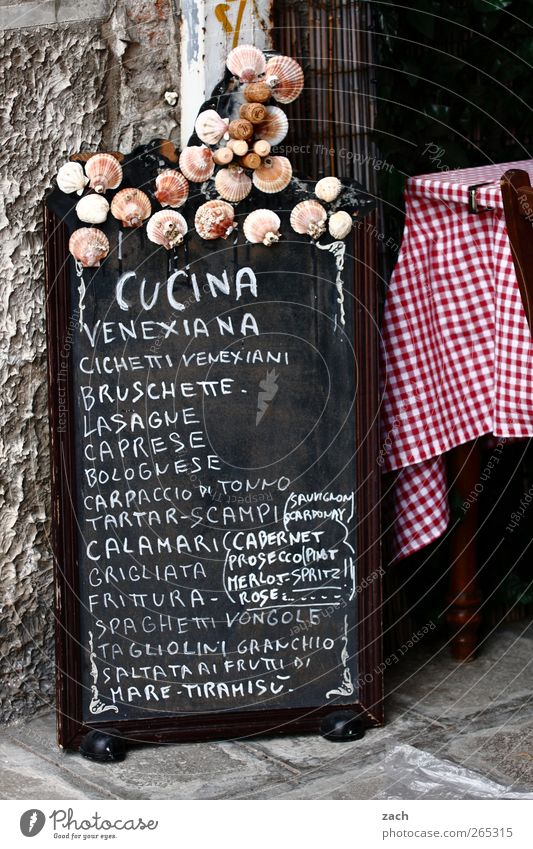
34, 13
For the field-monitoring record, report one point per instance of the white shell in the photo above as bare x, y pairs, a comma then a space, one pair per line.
210, 127
328, 189
309, 218
233, 184
92, 209
262, 227
196, 163
340, 224
71, 178
275, 126
167, 228
246, 62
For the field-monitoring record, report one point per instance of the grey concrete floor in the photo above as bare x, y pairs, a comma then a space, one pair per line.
478, 715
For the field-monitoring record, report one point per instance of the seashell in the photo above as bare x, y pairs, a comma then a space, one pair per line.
340, 224
71, 178
309, 218
131, 207
89, 245
104, 172
246, 62
328, 189
233, 184
172, 189
238, 146
196, 163
223, 155
274, 174
92, 209
210, 126
251, 160
262, 147
285, 77
257, 93
253, 112
167, 228
241, 129
262, 227
275, 126
214, 220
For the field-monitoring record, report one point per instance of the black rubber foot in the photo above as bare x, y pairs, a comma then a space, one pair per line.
341, 726
105, 745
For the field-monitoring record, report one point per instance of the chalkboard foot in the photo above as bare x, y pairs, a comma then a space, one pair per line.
104, 745
341, 726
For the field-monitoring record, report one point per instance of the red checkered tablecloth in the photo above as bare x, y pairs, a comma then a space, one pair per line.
457, 354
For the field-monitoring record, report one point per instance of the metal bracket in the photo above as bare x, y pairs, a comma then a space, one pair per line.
472, 197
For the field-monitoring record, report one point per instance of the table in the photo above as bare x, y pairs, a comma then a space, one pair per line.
457, 354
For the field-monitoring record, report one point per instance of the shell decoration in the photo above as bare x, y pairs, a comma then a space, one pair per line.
262, 227
328, 189
71, 178
172, 188
167, 228
196, 163
241, 129
131, 207
92, 209
285, 77
214, 220
255, 113
89, 246
246, 62
274, 175
340, 224
104, 172
233, 183
309, 218
210, 126
275, 126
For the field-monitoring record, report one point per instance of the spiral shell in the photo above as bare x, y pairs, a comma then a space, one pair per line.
92, 209
246, 62
89, 246
210, 127
309, 218
196, 163
328, 189
257, 93
172, 189
233, 184
214, 220
285, 77
275, 126
274, 175
167, 228
71, 178
104, 172
131, 207
262, 227
340, 224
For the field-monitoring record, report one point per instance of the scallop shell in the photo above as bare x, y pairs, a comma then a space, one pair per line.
92, 209
328, 189
214, 220
104, 172
131, 207
246, 62
274, 174
210, 127
285, 77
262, 227
172, 188
340, 224
89, 245
167, 228
309, 218
71, 178
233, 184
275, 126
197, 163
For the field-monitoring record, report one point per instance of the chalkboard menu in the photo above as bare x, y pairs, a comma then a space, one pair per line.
215, 496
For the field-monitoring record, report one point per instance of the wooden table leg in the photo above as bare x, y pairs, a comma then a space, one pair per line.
464, 617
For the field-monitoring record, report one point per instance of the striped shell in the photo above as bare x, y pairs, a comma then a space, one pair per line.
246, 62
92, 209
167, 228
214, 220
210, 127
328, 189
274, 175
233, 184
197, 163
131, 207
104, 172
71, 178
172, 188
309, 218
340, 224
89, 246
285, 77
262, 227
275, 126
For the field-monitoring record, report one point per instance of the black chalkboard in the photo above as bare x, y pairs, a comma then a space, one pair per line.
211, 407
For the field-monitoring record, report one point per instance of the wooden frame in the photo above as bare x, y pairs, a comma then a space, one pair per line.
517, 195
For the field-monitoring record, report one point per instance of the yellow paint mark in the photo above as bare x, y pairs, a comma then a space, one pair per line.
221, 15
